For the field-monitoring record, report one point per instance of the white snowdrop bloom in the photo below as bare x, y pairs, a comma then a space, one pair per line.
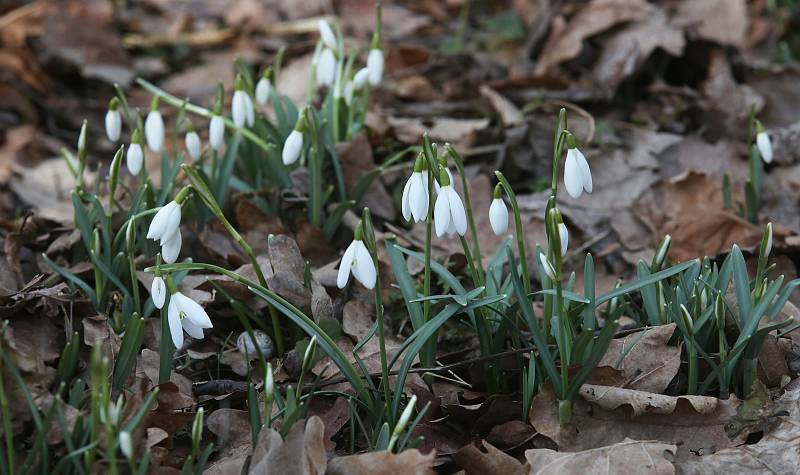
242, 109
125, 444
113, 124
415, 195
548, 267
498, 216
82, 136
134, 158
349, 90
360, 79
193, 145
358, 261
563, 235
263, 88
449, 215
577, 175
764, 145
154, 131
375, 66
326, 68
292, 147
110, 413
158, 292
165, 223
216, 132
768, 245
327, 35
171, 248
186, 314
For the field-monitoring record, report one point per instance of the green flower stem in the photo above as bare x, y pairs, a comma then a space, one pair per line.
476, 248
208, 198
429, 354
520, 232
201, 111
691, 353
129, 244
6, 412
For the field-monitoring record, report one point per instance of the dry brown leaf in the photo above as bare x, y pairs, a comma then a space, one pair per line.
510, 115
475, 461
461, 133
357, 159
649, 363
409, 462
232, 428
46, 188
632, 457
302, 453
595, 17
721, 21
695, 424
727, 102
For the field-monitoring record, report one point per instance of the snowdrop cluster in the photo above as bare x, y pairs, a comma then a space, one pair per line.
165, 228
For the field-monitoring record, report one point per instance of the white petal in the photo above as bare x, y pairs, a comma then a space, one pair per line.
345, 265
172, 224
238, 108
457, 213
563, 234
548, 268
159, 222
441, 214
365, 273
349, 91
292, 147
193, 145
216, 132
113, 125
171, 248
375, 66
764, 145
158, 291
194, 330
326, 68
174, 320
262, 90
418, 197
327, 35
154, 131
498, 216
361, 77
586, 172
404, 202
250, 111
134, 158
573, 180
193, 311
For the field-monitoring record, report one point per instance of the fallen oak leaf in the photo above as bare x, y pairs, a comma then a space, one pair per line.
407, 462
302, 453
631, 457
646, 359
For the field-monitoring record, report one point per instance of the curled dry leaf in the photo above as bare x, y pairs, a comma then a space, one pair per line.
482, 457
646, 359
632, 457
721, 21
411, 462
232, 428
642, 402
302, 453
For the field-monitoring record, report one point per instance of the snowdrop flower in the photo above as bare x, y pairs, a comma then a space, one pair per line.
216, 132
263, 88
82, 137
154, 128
326, 68
548, 267
415, 193
498, 213
165, 223
358, 261
577, 175
113, 120
242, 108
186, 314
327, 35
375, 66
763, 143
448, 212
110, 414
125, 444
360, 79
192, 141
294, 142
158, 292
349, 90
135, 155
171, 248
563, 235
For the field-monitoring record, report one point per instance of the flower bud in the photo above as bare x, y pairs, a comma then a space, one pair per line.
113, 120
375, 66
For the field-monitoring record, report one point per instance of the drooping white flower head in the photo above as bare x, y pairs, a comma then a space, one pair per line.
498, 213
171, 248
349, 91
292, 147
263, 88
449, 215
360, 79
547, 266
375, 66
134, 158
184, 313
577, 175
158, 292
357, 261
763, 143
154, 129
563, 235
327, 35
216, 132
242, 108
125, 444
193, 145
415, 193
113, 120
165, 223
326, 68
